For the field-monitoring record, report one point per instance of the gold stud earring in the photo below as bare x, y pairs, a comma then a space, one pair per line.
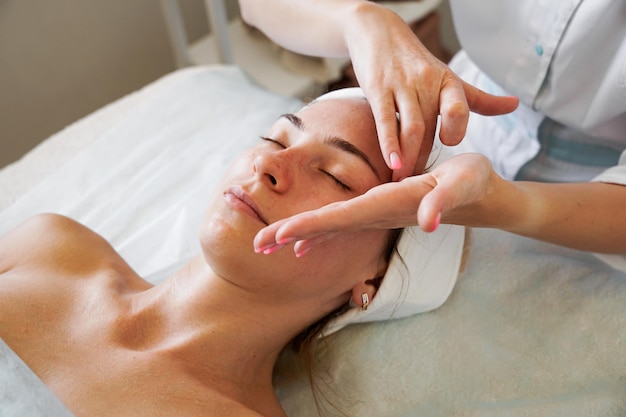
365, 301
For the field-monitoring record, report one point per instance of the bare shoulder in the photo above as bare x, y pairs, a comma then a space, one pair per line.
53, 239
50, 268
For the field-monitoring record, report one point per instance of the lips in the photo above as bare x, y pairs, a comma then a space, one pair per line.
238, 198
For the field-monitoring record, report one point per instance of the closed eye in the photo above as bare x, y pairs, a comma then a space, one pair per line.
273, 141
339, 183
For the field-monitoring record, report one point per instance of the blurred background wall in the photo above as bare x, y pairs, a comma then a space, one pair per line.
61, 60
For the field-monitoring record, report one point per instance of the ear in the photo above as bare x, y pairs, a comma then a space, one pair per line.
368, 287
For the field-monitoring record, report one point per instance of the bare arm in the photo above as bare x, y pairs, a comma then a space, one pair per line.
308, 27
588, 216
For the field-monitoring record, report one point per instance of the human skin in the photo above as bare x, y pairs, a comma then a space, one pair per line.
205, 341
465, 190
394, 69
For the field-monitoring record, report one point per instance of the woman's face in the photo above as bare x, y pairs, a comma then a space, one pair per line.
327, 152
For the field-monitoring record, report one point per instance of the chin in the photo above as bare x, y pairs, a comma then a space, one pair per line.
228, 246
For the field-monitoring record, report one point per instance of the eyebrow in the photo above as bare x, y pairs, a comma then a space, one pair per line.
336, 142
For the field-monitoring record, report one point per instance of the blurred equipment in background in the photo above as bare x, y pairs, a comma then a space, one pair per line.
276, 69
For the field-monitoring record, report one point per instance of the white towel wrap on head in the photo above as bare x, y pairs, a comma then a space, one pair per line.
422, 271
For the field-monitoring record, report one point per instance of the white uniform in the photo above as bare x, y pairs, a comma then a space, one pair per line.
566, 60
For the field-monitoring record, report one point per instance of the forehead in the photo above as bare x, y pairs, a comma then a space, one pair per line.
351, 119
351, 114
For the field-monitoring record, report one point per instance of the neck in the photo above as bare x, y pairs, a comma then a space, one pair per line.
219, 333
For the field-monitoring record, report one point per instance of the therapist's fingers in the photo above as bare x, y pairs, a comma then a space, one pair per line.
413, 130
384, 110
487, 104
339, 217
458, 98
433, 207
454, 111
462, 184
404, 135
387, 206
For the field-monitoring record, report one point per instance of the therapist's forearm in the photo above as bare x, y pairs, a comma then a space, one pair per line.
317, 28
587, 216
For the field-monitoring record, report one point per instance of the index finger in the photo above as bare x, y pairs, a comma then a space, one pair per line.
384, 110
331, 218
371, 210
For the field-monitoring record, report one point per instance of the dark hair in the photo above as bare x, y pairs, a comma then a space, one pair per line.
306, 343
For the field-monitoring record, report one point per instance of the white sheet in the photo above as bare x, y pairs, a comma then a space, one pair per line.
530, 330
142, 176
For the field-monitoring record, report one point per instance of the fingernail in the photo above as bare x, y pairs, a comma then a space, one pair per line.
285, 240
302, 252
262, 248
437, 221
272, 249
395, 160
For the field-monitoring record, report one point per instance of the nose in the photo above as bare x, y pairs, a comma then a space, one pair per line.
273, 170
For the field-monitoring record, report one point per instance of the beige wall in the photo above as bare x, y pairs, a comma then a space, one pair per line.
60, 60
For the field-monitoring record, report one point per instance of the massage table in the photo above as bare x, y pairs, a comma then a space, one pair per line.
530, 329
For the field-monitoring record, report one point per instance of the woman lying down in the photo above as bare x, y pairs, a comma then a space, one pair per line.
206, 340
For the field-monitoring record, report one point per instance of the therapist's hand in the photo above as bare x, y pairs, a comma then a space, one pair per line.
397, 73
457, 191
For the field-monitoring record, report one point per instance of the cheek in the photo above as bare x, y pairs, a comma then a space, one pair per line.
325, 273
351, 257
311, 191
242, 166
229, 252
